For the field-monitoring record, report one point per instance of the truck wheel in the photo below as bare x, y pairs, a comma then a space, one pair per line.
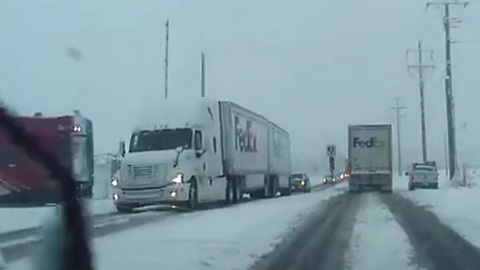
272, 186
287, 191
266, 188
193, 195
228, 192
234, 191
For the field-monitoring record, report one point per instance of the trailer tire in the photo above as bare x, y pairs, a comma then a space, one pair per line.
193, 195
228, 192
232, 191
287, 191
272, 186
235, 192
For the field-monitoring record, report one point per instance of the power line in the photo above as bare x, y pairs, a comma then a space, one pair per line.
167, 30
398, 109
449, 23
421, 67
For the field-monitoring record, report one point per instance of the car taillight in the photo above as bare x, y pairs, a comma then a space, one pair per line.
412, 177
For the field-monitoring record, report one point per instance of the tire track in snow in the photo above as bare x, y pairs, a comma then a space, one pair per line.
321, 243
437, 246
378, 241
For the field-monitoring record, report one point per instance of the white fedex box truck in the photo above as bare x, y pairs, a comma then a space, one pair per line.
370, 157
202, 151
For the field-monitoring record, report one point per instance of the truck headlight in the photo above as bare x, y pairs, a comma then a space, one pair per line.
114, 182
178, 178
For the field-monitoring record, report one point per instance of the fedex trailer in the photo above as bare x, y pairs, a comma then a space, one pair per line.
370, 157
202, 151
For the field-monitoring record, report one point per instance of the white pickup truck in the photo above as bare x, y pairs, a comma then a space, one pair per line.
422, 176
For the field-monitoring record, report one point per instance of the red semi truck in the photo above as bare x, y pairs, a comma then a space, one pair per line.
25, 182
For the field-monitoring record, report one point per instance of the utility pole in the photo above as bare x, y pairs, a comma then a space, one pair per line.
445, 150
398, 109
203, 75
447, 23
420, 67
167, 26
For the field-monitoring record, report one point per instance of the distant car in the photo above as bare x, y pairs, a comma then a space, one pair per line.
341, 176
300, 182
422, 176
344, 176
328, 179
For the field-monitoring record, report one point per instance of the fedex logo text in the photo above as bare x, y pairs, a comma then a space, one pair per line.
370, 143
246, 137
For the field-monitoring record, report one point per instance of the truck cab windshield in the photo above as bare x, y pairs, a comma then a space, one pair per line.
157, 140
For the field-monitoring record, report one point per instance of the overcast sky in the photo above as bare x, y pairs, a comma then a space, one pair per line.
313, 67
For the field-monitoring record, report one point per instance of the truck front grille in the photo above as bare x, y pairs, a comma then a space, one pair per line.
147, 175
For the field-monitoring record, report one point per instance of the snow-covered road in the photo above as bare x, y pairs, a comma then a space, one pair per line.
375, 227
32, 217
329, 229
226, 238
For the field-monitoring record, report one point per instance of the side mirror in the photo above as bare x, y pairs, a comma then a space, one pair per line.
114, 167
121, 148
199, 153
406, 173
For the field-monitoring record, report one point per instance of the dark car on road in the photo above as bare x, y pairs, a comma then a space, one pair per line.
300, 182
329, 179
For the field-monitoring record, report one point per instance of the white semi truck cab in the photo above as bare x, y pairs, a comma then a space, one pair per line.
172, 159
160, 166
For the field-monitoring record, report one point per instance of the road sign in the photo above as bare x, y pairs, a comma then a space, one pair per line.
331, 161
331, 150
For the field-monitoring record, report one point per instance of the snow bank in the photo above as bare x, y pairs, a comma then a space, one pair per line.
218, 239
375, 224
455, 206
316, 178
101, 186
24, 218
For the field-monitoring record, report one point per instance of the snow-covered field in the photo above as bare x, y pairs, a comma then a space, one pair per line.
24, 218
225, 238
455, 206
